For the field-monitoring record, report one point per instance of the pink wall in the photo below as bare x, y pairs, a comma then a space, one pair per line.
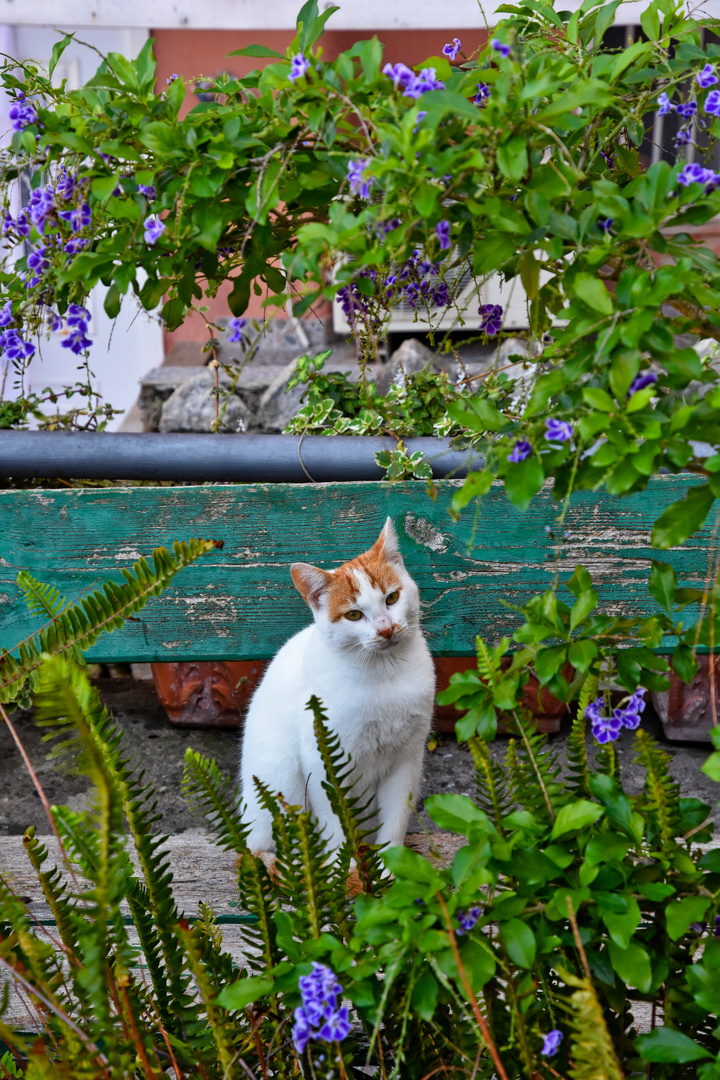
195, 54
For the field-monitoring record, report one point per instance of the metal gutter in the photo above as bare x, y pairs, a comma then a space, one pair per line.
290, 459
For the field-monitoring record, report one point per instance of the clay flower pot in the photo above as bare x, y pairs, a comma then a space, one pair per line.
207, 693
546, 709
686, 711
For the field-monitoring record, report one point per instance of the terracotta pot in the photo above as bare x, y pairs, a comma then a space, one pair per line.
686, 712
207, 693
546, 709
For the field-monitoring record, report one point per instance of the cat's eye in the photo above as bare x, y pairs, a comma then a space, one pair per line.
393, 597
353, 615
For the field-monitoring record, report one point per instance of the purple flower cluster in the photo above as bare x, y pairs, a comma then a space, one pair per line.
358, 184
79, 218
467, 919
686, 109
607, 728
154, 228
238, 329
692, 173
483, 93
22, 113
706, 77
498, 46
551, 1042
319, 1016
442, 231
491, 321
605, 224
38, 263
641, 380
13, 347
148, 190
417, 282
558, 430
520, 451
78, 319
412, 85
453, 48
6, 314
712, 103
300, 64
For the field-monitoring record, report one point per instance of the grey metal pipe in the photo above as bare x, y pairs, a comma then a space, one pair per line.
92, 455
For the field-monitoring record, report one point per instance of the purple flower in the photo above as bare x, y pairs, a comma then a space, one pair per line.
237, 326
551, 1043
13, 346
609, 159
76, 244
665, 105
491, 321
22, 224
706, 77
78, 317
79, 218
557, 430
643, 379
483, 93
692, 173
453, 48
497, 46
57, 323
301, 1030
154, 228
520, 451
76, 342
467, 919
65, 185
682, 137
148, 190
319, 1016
421, 114
605, 224
336, 1027
716, 928
442, 231
426, 80
6, 315
358, 184
22, 114
40, 205
712, 103
300, 64
171, 78
687, 108
37, 262
400, 74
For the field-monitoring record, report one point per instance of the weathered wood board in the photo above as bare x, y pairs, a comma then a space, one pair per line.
239, 603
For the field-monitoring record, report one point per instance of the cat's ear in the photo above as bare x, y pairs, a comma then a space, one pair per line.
388, 543
310, 581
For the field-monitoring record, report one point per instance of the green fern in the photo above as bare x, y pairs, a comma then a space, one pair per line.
661, 795
492, 783
354, 811
41, 599
78, 626
535, 771
211, 793
591, 1048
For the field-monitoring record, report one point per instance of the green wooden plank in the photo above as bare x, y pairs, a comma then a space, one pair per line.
239, 603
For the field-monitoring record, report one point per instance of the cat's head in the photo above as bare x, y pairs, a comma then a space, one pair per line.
367, 605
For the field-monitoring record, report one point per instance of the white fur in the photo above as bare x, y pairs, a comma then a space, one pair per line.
378, 694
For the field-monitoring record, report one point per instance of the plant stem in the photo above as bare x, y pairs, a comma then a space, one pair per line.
482, 1023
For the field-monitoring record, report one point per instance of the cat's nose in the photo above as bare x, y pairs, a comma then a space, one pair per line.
386, 632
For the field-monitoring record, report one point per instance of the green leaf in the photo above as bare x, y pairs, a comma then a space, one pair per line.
491, 252
632, 965
479, 963
684, 663
512, 158
575, 815
476, 413
408, 865
57, 50
112, 302
257, 50
582, 653
523, 481
681, 913
599, 398
664, 1044
457, 813
519, 942
682, 518
548, 661
244, 992
584, 605
592, 292
425, 996
711, 767
662, 584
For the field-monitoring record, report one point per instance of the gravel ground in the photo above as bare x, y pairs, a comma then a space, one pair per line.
159, 747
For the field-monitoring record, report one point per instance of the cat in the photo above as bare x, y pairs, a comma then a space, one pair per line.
366, 659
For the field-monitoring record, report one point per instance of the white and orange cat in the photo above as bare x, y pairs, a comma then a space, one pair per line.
365, 657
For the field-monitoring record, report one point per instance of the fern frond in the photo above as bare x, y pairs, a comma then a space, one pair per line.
258, 897
221, 1044
54, 890
491, 781
577, 758
42, 599
354, 811
486, 669
535, 772
661, 794
207, 790
591, 1047
607, 762
103, 610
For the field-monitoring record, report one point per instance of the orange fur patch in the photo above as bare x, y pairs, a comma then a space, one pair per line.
343, 586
